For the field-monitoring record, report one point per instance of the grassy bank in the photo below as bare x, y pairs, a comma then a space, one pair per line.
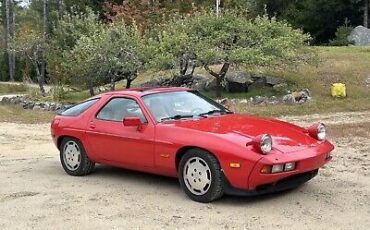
12, 113
12, 88
349, 65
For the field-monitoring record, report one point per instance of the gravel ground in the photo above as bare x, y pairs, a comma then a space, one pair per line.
35, 193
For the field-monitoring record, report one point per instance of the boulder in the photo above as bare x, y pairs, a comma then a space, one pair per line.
199, 82
258, 83
280, 87
210, 85
360, 36
289, 99
273, 100
238, 81
259, 100
273, 81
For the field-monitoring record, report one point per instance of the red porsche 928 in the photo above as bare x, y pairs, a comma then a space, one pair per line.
178, 132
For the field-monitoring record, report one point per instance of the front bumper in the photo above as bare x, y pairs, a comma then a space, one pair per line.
281, 185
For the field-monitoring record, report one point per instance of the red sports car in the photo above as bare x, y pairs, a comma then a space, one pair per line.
178, 132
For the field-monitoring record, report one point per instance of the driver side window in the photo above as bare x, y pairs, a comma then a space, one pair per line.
118, 108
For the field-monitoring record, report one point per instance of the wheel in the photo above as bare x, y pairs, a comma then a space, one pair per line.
200, 176
73, 157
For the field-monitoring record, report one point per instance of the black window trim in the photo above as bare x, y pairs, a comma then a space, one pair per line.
124, 97
96, 99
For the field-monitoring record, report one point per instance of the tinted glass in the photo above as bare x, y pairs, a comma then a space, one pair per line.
118, 108
79, 108
183, 103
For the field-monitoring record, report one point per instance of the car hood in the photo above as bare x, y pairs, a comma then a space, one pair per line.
286, 137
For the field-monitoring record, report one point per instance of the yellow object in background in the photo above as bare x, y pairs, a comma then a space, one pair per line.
338, 90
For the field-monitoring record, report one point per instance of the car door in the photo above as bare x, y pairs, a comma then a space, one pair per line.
112, 141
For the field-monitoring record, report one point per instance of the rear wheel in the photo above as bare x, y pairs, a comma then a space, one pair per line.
200, 176
73, 157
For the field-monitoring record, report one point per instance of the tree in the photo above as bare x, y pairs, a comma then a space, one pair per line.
29, 45
231, 39
88, 53
9, 33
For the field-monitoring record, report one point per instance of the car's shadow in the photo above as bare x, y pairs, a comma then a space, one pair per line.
172, 186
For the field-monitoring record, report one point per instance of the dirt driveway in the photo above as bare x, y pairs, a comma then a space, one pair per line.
36, 193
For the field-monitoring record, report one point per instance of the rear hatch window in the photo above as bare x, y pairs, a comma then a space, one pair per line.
78, 108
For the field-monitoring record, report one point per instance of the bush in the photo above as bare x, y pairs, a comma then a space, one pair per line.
341, 36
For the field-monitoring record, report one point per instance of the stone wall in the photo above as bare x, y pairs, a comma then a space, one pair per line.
29, 104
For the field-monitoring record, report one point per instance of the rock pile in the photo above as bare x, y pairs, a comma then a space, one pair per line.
236, 82
29, 104
297, 97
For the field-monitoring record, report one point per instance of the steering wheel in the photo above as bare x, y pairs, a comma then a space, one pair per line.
196, 111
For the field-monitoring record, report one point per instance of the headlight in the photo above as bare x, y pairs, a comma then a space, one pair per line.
321, 132
318, 131
265, 143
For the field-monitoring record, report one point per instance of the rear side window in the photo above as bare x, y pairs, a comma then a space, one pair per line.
79, 108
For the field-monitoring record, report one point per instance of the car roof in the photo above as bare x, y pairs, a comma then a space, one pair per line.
142, 91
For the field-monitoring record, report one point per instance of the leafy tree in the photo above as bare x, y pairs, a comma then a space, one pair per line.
70, 29
29, 45
93, 54
230, 39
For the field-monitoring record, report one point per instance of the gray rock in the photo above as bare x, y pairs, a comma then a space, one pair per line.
289, 99
259, 100
210, 85
199, 82
360, 36
281, 86
272, 81
258, 83
273, 100
238, 81
5, 100
306, 92
36, 107
367, 81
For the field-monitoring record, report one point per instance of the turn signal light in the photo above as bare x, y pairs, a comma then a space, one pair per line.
266, 169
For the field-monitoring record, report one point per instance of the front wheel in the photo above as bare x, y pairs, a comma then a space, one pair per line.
200, 176
73, 157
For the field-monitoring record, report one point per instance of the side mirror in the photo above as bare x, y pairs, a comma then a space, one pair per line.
132, 121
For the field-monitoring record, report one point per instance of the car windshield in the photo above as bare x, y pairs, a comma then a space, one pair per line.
181, 104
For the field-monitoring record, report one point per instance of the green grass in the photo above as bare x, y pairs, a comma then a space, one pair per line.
12, 113
349, 65
12, 88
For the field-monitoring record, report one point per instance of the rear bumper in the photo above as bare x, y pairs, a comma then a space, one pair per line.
280, 185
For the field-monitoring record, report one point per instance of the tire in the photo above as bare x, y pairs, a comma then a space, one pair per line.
197, 168
73, 157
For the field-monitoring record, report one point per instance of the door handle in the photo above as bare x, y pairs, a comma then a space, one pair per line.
92, 125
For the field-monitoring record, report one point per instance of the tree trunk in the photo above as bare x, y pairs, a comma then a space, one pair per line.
39, 78
12, 32
128, 83
91, 90
91, 87
113, 83
7, 40
366, 14
60, 9
220, 77
43, 63
218, 87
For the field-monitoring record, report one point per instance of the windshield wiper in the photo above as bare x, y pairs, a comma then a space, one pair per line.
177, 117
215, 111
